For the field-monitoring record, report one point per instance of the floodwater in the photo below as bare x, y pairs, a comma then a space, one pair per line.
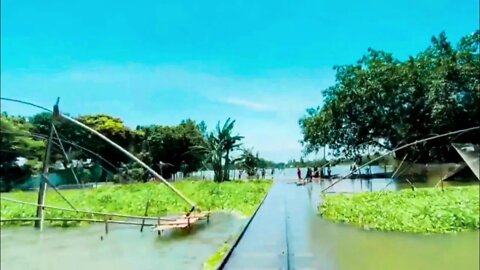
288, 233
345, 247
313, 243
123, 248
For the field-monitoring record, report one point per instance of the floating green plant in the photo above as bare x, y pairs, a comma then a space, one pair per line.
238, 196
428, 210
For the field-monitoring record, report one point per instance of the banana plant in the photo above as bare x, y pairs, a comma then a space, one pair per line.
217, 150
212, 152
230, 143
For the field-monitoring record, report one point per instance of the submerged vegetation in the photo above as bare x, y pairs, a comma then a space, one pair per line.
454, 209
239, 196
216, 258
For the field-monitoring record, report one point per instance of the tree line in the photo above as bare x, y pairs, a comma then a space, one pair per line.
186, 147
381, 103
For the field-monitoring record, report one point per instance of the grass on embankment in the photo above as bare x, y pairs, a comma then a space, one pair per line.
214, 261
429, 210
239, 196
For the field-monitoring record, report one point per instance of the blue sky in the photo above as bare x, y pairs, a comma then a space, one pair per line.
158, 62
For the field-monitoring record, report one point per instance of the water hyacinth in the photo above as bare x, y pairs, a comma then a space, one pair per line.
426, 210
238, 196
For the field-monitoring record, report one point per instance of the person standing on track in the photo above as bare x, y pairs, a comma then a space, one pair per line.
308, 176
299, 174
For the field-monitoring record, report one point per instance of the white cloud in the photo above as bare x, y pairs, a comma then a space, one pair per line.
252, 105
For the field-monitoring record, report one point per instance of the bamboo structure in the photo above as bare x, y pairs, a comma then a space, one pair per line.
41, 136
85, 211
161, 224
146, 214
395, 173
134, 158
77, 220
66, 155
43, 182
181, 222
41, 195
471, 158
397, 149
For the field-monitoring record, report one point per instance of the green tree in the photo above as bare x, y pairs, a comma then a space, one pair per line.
249, 162
16, 142
172, 145
66, 130
381, 102
114, 129
213, 155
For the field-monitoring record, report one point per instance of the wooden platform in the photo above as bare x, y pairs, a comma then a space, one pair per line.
181, 222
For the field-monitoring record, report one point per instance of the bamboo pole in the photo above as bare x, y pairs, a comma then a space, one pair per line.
41, 136
146, 214
396, 149
26, 103
86, 212
441, 180
77, 220
158, 224
43, 183
66, 156
411, 184
106, 225
131, 156
59, 193
395, 173
57, 113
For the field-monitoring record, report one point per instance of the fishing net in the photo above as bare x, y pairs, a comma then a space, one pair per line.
470, 154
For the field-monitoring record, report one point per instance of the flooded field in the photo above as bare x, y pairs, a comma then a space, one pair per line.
345, 247
123, 248
348, 248
310, 242
314, 242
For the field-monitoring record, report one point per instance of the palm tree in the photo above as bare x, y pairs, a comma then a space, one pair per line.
230, 143
218, 147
